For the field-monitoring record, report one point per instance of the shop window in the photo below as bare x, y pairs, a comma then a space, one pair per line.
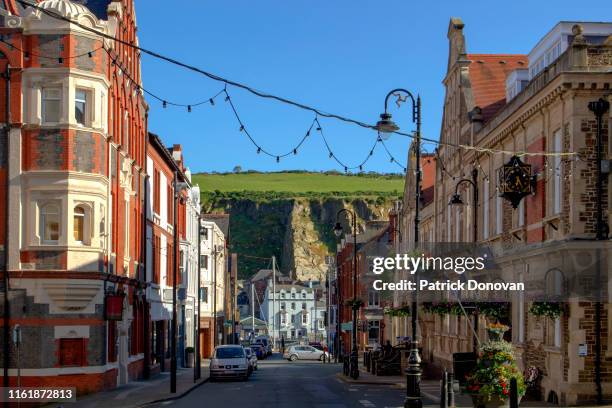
49, 223
51, 105
72, 352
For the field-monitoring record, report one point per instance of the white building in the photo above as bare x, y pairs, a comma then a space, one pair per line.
292, 313
213, 261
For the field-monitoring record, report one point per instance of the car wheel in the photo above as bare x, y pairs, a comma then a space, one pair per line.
293, 357
322, 358
245, 378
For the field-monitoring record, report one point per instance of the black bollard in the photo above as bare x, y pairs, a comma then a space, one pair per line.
514, 403
450, 388
444, 390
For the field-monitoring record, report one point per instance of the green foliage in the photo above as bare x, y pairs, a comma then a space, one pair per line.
495, 368
401, 311
548, 309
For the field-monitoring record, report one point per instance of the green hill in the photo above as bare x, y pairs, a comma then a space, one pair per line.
300, 182
291, 214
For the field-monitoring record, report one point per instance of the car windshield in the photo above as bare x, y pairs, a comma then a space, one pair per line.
229, 352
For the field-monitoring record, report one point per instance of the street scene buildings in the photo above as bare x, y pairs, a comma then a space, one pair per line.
120, 271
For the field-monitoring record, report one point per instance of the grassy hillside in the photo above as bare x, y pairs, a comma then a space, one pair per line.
299, 182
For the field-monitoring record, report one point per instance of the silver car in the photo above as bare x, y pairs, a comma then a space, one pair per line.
229, 361
304, 353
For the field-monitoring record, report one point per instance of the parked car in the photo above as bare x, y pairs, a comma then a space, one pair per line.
229, 361
265, 341
252, 359
259, 350
304, 353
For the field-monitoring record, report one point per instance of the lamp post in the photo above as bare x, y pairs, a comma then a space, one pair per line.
198, 368
599, 108
386, 125
456, 200
354, 369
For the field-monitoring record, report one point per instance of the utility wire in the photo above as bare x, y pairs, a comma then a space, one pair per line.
262, 94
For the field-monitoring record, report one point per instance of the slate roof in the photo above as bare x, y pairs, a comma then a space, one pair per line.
222, 221
488, 74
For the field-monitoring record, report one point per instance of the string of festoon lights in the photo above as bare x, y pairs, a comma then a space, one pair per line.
318, 112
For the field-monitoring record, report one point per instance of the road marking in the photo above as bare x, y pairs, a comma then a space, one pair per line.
366, 403
353, 389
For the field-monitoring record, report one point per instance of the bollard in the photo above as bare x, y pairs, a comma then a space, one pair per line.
514, 403
444, 390
450, 390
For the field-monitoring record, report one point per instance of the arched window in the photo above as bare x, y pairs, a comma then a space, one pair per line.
79, 224
49, 223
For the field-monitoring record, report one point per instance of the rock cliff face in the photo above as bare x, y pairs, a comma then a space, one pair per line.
298, 231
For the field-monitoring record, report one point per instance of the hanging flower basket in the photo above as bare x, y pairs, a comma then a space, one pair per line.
355, 304
401, 311
546, 309
494, 310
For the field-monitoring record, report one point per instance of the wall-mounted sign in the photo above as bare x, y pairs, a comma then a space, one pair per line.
515, 180
113, 307
583, 350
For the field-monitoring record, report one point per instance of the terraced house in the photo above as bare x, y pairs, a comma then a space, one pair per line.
72, 217
537, 102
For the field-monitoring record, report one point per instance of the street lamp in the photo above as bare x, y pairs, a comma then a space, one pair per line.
456, 200
386, 126
338, 230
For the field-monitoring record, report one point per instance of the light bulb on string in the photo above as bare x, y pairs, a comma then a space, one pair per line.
331, 155
227, 98
277, 159
295, 151
165, 104
189, 108
60, 60
89, 54
241, 128
258, 150
212, 101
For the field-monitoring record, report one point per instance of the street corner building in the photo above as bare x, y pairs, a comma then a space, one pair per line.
539, 102
81, 279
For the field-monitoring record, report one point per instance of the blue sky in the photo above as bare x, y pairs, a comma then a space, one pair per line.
338, 55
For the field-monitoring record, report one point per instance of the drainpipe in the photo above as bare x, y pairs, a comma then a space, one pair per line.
7, 306
146, 314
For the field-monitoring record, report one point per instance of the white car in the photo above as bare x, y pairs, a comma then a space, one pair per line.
229, 361
304, 353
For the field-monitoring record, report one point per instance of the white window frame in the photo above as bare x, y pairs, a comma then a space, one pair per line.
304, 319
46, 98
42, 222
86, 101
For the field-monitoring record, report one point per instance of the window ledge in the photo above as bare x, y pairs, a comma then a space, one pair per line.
552, 349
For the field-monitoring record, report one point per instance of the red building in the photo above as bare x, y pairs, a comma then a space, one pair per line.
74, 150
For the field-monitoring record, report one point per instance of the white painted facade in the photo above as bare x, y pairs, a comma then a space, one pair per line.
294, 315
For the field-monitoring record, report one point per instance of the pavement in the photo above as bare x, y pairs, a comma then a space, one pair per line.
144, 393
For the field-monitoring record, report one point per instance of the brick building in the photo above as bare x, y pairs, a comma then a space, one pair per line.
74, 147
534, 103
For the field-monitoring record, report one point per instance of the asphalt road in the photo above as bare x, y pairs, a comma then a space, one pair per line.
280, 383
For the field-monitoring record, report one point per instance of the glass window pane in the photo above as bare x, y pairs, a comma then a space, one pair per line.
50, 223
80, 106
79, 223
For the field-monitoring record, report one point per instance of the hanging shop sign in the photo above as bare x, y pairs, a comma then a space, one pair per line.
114, 306
515, 181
